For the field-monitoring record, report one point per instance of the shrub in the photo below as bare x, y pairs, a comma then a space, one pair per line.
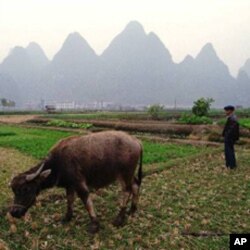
193, 119
156, 111
202, 106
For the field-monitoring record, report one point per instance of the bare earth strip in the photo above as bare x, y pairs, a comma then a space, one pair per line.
15, 119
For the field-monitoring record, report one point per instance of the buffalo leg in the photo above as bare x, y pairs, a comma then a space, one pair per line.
121, 217
135, 197
83, 193
70, 194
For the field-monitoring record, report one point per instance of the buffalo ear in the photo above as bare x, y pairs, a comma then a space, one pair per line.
45, 174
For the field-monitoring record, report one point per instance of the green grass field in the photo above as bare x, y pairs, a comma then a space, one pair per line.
189, 193
35, 142
245, 122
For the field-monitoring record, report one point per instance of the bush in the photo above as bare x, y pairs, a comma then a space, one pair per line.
202, 106
193, 119
156, 111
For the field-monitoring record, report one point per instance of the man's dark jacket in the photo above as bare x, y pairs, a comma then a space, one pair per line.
231, 129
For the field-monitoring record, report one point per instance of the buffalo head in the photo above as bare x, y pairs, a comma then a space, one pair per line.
26, 187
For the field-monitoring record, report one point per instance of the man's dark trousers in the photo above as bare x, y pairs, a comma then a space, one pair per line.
229, 154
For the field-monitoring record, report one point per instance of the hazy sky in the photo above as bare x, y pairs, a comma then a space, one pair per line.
184, 26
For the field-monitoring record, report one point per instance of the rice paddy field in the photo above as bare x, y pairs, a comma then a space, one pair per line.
188, 199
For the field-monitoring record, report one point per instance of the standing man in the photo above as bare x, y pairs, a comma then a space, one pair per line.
231, 135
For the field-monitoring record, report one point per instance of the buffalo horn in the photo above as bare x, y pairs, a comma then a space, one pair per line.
31, 177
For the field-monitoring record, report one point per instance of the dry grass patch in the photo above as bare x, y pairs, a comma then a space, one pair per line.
12, 162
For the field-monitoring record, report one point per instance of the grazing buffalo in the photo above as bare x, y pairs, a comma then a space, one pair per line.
79, 163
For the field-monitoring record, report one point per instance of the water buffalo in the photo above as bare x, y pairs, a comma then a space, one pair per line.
79, 163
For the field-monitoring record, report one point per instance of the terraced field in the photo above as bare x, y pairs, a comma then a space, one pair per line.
188, 199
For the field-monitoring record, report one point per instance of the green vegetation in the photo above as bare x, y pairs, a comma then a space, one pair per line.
159, 152
67, 124
193, 119
6, 133
99, 115
202, 106
245, 122
117, 115
200, 112
37, 142
156, 111
243, 112
34, 142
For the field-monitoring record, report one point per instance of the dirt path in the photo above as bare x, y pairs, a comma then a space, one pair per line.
16, 119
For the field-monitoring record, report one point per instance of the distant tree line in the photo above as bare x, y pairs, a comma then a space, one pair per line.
7, 103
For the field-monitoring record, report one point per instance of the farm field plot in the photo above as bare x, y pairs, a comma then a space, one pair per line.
189, 202
35, 142
101, 115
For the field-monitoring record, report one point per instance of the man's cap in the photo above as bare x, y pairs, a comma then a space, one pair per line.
229, 107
